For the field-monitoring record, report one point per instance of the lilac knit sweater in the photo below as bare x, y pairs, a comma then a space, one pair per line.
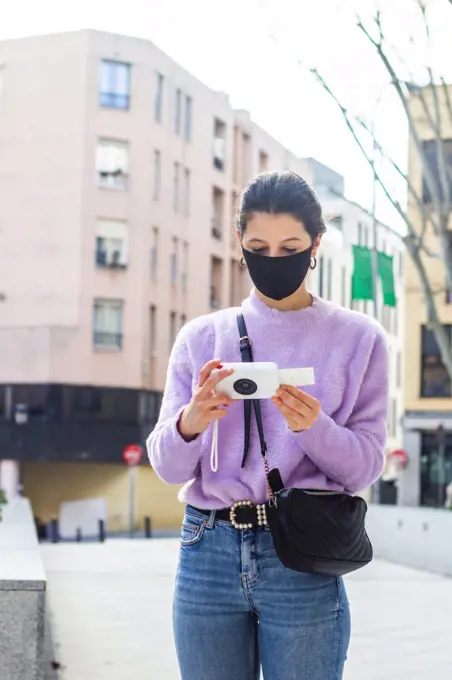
344, 450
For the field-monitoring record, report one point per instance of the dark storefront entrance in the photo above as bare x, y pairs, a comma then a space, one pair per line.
436, 468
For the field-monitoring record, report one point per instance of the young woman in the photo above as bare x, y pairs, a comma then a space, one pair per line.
236, 607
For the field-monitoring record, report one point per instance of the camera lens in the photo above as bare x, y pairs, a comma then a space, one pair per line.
245, 387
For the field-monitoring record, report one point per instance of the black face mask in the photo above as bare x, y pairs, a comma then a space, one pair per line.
278, 277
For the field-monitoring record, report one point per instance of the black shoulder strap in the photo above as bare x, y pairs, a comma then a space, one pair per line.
247, 357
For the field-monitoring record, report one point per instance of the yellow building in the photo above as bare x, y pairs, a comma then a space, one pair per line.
428, 396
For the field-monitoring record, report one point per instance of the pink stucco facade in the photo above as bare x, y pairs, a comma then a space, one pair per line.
175, 267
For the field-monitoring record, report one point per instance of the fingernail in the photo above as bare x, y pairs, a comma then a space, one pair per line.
220, 365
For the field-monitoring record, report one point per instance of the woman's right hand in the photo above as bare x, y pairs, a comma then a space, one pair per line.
205, 406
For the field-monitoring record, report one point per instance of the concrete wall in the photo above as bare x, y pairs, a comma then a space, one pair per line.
415, 537
47, 485
22, 595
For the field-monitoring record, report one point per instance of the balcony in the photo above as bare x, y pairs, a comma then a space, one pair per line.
219, 154
107, 340
115, 259
116, 179
215, 302
216, 230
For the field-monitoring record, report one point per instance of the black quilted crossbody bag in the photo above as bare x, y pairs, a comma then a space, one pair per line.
321, 532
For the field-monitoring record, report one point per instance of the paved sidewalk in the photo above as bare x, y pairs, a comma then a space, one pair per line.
111, 615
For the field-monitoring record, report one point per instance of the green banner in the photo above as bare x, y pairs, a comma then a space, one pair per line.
362, 280
386, 274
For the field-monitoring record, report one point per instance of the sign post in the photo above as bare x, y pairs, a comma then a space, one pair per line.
132, 455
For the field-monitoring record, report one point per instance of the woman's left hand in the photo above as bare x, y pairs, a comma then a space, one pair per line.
299, 409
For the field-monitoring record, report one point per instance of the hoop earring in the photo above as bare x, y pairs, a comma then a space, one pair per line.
313, 263
242, 263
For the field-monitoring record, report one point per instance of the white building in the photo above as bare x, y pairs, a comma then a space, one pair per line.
349, 224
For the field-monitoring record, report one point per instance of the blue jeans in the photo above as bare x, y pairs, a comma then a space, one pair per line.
236, 607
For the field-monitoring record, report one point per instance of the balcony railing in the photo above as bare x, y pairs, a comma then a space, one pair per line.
112, 260
216, 229
113, 100
107, 340
116, 179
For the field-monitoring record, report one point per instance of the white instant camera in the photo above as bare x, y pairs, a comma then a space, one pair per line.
261, 380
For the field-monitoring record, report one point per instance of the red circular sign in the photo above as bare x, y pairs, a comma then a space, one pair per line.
132, 454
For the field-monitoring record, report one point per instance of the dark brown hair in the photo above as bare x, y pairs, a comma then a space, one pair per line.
281, 193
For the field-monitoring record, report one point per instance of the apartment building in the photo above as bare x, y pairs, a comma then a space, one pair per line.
428, 395
118, 176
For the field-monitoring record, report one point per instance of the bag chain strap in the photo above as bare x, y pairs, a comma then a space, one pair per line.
247, 357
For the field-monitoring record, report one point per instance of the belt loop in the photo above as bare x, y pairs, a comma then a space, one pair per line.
211, 521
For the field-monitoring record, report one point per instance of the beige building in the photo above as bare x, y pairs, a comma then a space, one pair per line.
428, 396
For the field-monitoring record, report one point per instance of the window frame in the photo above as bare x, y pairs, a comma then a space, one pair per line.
423, 355
117, 337
111, 99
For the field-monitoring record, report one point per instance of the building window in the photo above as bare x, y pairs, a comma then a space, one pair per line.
246, 158
218, 212
329, 279
360, 234
112, 164
114, 84
392, 424
188, 118
216, 275
152, 341
321, 275
159, 86
263, 161
186, 193
435, 381
157, 174
336, 221
108, 324
399, 370
184, 273
176, 183
172, 329
449, 259
344, 279
111, 244
178, 112
174, 263
431, 156
219, 144
86, 400
154, 253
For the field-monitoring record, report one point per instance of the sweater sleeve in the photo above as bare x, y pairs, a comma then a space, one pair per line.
175, 460
353, 454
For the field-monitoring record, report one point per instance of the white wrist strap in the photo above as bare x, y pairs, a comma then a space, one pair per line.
214, 450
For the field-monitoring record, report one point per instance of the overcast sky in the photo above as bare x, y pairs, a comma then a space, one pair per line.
252, 49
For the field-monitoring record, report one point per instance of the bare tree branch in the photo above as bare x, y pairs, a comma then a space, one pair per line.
412, 240
428, 173
435, 120
428, 218
439, 191
348, 122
